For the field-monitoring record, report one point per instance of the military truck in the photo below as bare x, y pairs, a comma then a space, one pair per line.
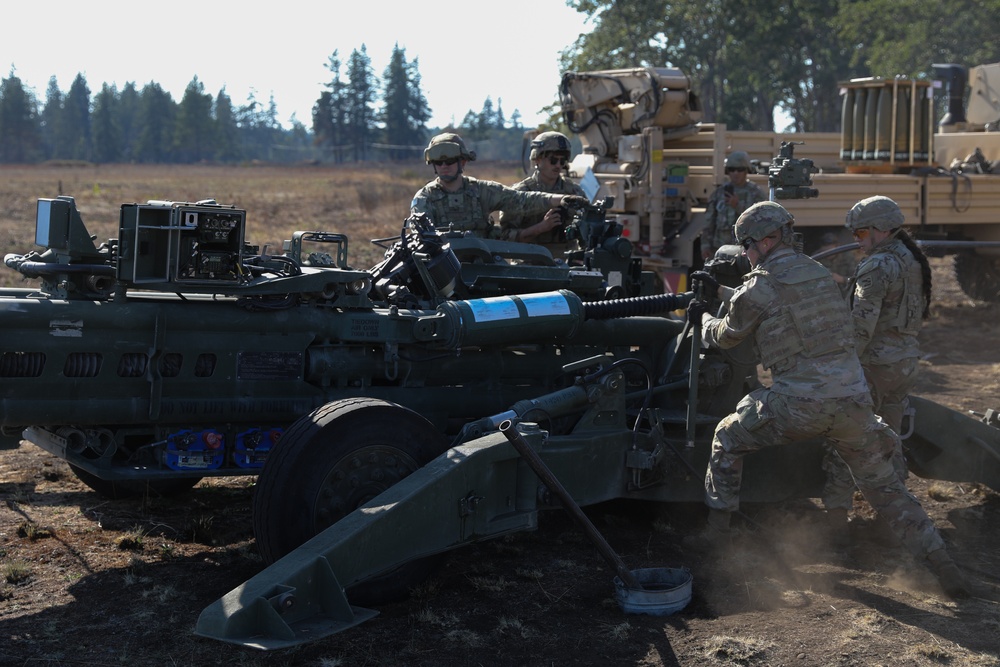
643, 143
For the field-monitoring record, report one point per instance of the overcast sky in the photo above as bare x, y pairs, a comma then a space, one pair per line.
507, 49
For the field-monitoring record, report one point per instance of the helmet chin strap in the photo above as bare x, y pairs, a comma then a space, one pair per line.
450, 179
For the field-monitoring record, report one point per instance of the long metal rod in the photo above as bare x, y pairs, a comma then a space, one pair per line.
535, 462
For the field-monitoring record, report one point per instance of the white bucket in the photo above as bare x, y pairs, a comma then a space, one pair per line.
665, 590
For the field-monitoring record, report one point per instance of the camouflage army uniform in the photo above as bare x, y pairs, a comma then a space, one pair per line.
722, 217
887, 306
469, 208
801, 328
511, 223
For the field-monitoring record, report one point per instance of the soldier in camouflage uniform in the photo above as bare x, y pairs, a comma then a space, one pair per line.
465, 203
550, 151
892, 293
791, 309
727, 203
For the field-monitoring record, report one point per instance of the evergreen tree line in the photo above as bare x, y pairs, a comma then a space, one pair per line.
147, 125
348, 124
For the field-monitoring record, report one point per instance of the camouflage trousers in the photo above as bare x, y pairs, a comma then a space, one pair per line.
889, 387
764, 419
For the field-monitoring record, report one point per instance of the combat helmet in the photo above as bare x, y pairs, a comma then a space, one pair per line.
761, 219
738, 159
549, 142
446, 146
878, 212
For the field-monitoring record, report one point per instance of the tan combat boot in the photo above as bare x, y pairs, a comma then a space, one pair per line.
948, 574
714, 535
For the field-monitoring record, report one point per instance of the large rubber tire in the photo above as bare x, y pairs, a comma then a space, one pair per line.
329, 463
160, 488
978, 276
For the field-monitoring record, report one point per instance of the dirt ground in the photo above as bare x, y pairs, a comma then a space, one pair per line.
89, 581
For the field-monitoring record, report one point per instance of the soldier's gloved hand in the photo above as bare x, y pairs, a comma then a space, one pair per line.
706, 279
574, 201
695, 310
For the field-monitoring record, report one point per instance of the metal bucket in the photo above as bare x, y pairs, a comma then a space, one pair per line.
665, 590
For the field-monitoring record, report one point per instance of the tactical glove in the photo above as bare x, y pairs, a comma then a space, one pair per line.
706, 279
574, 201
695, 310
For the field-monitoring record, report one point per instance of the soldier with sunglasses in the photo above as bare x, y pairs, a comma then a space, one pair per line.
464, 203
727, 203
550, 152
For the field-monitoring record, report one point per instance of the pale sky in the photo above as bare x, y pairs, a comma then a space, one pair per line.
467, 50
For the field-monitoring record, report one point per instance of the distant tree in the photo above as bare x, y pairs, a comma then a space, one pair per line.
330, 113
52, 117
20, 130
106, 127
157, 111
76, 120
498, 119
194, 129
405, 112
515, 120
128, 120
361, 94
226, 129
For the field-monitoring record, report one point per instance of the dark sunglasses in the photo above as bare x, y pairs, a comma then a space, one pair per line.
450, 161
747, 242
561, 161
730, 170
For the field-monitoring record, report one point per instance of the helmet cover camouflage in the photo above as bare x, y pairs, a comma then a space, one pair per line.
761, 219
878, 212
738, 159
447, 146
549, 142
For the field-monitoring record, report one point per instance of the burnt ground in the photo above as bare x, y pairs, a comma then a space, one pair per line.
89, 581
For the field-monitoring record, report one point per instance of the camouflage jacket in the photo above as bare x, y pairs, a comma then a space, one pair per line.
887, 304
800, 326
469, 209
511, 223
722, 217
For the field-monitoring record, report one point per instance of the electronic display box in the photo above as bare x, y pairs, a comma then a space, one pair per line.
170, 242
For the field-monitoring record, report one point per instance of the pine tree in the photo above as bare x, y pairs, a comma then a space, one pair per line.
156, 118
359, 103
75, 123
106, 126
20, 131
226, 129
194, 133
52, 120
330, 114
404, 113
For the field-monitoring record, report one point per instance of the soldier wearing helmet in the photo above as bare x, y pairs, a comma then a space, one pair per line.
891, 296
801, 328
465, 203
727, 203
550, 152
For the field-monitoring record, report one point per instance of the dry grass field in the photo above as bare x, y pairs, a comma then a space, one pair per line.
363, 202
85, 581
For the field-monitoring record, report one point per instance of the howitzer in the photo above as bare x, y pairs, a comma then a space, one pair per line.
178, 351
369, 401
